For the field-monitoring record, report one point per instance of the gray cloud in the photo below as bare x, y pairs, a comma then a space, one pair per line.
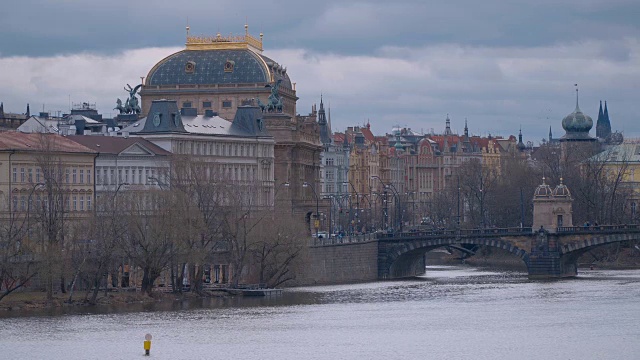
500, 64
42, 28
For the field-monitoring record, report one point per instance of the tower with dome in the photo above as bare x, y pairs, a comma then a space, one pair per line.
218, 74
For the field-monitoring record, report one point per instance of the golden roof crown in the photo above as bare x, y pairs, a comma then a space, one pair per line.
230, 42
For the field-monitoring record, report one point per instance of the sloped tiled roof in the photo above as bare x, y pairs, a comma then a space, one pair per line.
40, 142
116, 145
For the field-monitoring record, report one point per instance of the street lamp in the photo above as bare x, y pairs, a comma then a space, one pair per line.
357, 204
317, 224
160, 183
413, 202
286, 185
118, 188
397, 196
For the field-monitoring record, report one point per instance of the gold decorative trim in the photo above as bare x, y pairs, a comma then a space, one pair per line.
220, 42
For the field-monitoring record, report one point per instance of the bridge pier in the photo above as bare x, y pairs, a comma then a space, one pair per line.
546, 261
550, 266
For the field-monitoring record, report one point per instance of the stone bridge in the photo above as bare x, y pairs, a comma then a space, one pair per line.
546, 254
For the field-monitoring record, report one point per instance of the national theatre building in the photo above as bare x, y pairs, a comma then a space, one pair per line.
213, 77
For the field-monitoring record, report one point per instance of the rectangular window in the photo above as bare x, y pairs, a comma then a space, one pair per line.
89, 202
88, 176
30, 175
75, 203
140, 176
113, 176
186, 104
21, 174
226, 104
67, 203
81, 176
37, 174
98, 177
206, 104
67, 176
75, 176
146, 176
81, 202
15, 174
126, 175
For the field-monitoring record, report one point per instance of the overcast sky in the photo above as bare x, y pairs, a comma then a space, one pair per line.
500, 64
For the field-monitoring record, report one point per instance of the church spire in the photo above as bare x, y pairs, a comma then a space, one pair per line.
447, 129
550, 134
1, 109
521, 146
28, 111
325, 136
577, 106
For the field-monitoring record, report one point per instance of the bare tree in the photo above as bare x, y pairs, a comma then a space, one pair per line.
198, 193
276, 251
151, 230
18, 263
51, 214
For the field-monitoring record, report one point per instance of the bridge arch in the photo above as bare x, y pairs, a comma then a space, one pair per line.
407, 258
571, 251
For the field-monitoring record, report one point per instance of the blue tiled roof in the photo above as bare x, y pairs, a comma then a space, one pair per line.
210, 68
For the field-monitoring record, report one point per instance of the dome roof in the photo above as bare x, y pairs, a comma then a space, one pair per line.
561, 190
543, 190
577, 124
216, 66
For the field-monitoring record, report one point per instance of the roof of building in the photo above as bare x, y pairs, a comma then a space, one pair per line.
40, 142
247, 122
218, 66
625, 152
577, 124
116, 145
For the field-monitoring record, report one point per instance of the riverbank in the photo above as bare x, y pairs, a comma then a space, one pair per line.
35, 301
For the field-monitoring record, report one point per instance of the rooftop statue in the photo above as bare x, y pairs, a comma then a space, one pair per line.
274, 102
131, 106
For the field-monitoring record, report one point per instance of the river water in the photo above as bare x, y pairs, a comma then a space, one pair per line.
450, 313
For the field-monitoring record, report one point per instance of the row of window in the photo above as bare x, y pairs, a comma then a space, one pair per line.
223, 149
70, 176
226, 104
71, 203
110, 175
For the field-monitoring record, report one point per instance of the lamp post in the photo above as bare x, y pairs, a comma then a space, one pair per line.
317, 224
158, 182
413, 203
357, 204
482, 225
397, 196
458, 202
286, 185
118, 189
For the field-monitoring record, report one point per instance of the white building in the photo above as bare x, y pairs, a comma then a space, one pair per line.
241, 152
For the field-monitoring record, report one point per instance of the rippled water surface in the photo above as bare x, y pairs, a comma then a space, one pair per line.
451, 313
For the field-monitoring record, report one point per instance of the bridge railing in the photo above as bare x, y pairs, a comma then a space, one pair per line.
594, 228
346, 239
454, 233
448, 233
